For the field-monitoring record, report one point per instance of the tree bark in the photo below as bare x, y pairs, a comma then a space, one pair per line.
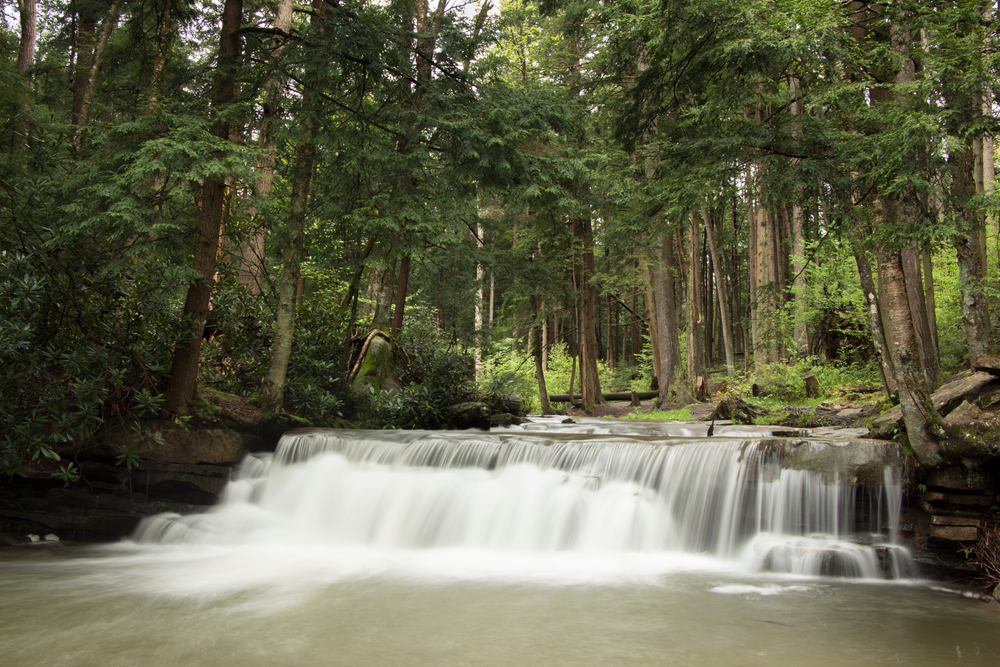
673, 388
536, 350
918, 311
164, 48
872, 308
252, 252
589, 378
97, 63
695, 351
28, 17
923, 424
272, 389
401, 286
720, 287
184, 368
84, 55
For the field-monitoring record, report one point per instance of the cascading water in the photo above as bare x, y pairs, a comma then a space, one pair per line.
562, 489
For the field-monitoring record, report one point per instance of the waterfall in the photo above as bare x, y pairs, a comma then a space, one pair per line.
731, 497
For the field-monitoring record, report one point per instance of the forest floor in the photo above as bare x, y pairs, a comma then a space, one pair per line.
838, 414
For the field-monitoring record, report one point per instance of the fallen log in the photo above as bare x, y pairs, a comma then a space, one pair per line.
610, 396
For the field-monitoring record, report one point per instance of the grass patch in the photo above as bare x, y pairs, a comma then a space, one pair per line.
679, 415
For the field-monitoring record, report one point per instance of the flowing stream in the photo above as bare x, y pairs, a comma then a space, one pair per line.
599, 543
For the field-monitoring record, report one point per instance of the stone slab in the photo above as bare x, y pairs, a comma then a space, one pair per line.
938, 520
959, 478
954, 533
945, 399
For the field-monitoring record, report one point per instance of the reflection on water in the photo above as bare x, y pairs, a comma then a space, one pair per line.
299, 606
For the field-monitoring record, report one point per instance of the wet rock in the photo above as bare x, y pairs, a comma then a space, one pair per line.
853, 462
470, 414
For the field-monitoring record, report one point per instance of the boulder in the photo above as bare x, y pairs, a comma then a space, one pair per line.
470, 414
948, 397
177, 444
964, 412
856, 462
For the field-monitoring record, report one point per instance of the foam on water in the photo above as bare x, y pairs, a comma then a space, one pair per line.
523, 504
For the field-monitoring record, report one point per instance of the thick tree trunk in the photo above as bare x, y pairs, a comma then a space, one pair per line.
673, 388
720, 287
918, 311
97, 63
184, 368
923, 424
765, 300
28, 16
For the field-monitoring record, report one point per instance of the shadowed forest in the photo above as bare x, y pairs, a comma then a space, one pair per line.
244, 199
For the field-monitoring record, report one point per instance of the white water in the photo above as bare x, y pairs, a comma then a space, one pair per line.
580, 496
512, 549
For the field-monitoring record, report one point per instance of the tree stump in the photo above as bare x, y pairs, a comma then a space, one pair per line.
635, 400
701, 391
812, 386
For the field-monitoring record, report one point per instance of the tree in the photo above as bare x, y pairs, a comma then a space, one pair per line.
184, 369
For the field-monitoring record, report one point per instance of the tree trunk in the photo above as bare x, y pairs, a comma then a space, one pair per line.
84, 57
651, 319
28, 16
401, 286
720, 287
536, 350
673, 388
273, 387
918, 311
928, 275
97, 62
252, 252
875, 319
695, 318
184, 368
164, 48
765, 300
923, 423
591, 382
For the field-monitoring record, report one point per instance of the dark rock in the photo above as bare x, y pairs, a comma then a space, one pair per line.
470, 414
959, 478
206, 444
955, 533
501, 419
